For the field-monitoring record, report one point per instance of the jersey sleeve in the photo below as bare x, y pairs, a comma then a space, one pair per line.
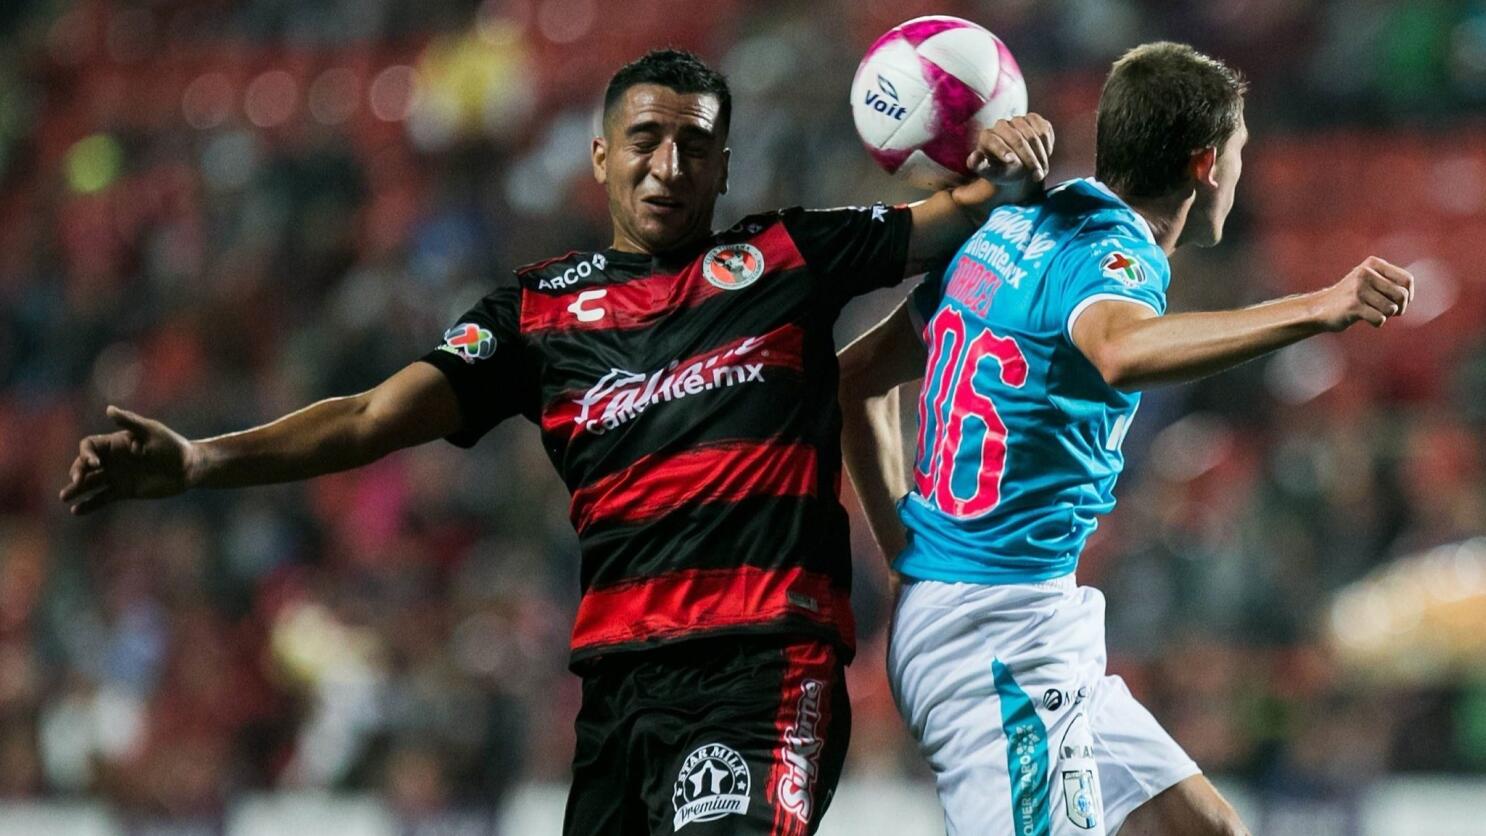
484, 358
1111, 267
923, 301
853, 250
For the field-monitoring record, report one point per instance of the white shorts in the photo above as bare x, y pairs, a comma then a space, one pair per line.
973, 666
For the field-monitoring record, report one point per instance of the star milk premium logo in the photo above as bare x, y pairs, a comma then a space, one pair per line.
733, 266
1123, 269
714, 782
469, 342
801, 754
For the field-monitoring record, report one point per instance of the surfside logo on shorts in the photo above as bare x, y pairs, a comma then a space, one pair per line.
733, 266
801, 754
714, 782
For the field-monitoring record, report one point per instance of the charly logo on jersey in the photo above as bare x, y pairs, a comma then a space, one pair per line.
733, 266
589, 314
1123, 269
574, 274
469, 342
714, 782
801, 753
885, 100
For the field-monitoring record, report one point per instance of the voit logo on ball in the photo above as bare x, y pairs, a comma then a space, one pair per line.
714, 782
885, 100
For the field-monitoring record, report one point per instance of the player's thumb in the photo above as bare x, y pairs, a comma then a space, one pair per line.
127, 420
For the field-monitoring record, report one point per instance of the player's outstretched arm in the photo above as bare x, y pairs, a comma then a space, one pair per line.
872, 445
145, 459
1134, 348
1012, 158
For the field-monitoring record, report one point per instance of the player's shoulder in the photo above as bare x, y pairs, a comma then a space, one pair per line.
560, 272
799, 216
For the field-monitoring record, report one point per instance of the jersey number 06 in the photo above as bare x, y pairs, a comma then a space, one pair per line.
950, 400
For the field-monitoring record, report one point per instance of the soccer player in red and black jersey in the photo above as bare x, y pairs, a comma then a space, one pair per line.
685, 384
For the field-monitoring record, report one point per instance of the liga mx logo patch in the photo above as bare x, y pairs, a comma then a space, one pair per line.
733, 266
714, 782
1123, 269
469, 342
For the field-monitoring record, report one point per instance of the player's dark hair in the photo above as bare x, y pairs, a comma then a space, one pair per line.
677, 69
1162, 102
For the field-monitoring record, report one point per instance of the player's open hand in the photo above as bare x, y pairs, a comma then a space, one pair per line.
1372, 292
1014, 150
143, 459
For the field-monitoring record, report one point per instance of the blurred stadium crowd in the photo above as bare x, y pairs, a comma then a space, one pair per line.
214, 212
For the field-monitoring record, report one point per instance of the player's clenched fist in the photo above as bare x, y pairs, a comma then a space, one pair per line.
144, 459
1019, 148
1372, 292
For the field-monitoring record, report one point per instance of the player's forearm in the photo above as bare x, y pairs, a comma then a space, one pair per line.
324, 437
874, 454
942, 222
1183, 347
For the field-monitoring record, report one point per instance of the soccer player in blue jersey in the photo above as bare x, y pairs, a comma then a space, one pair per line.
1040, 334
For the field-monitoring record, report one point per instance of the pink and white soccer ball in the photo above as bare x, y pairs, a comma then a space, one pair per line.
926, 89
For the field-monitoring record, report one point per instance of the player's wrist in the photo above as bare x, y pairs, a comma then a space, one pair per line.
1319, 312
195, 463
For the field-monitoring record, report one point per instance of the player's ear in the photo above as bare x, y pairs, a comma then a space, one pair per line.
600, 153
722, 177
1204, 167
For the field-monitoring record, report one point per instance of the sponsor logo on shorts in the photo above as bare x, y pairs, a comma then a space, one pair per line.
469, 342
1080, 783
801, 754
1054, 699
1079, 800
733, 266
713, 782
1027, 777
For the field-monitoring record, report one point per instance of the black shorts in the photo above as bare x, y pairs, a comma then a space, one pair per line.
711, 737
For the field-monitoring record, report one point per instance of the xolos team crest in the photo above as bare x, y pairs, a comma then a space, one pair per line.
733, 266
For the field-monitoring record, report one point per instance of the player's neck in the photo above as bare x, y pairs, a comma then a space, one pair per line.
1166, 216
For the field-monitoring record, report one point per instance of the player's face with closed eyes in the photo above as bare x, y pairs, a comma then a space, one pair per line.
663, 161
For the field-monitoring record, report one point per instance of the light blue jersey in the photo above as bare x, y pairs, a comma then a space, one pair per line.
1019, 435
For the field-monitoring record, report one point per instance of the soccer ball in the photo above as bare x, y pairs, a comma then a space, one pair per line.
924, 91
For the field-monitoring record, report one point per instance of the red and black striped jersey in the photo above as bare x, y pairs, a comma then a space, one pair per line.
688, 401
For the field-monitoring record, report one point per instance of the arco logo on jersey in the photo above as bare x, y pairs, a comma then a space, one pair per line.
574, 274
469, 342
1123, 268
733, 266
